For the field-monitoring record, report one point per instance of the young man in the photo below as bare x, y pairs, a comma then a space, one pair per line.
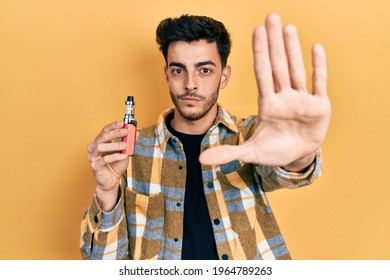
195, 188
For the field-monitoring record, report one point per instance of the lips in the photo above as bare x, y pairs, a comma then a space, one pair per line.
193, 99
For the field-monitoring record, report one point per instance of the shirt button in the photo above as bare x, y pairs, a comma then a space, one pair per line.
176, 239
210, 185
217, 222
180, 167
225, 257
178, 204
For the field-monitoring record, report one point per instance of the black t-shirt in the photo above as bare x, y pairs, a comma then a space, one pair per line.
198, 236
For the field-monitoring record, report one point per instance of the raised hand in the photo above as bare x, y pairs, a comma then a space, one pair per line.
292, 122
108, 163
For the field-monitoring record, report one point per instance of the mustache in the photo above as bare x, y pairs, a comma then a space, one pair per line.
190, 94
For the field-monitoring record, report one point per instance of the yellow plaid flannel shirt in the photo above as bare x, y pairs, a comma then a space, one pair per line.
147, 222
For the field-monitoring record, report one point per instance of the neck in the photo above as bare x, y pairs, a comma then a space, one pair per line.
200, 126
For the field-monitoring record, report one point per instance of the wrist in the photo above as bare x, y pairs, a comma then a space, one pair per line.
107, 199
301, 164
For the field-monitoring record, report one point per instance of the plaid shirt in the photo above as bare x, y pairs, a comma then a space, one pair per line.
147, 222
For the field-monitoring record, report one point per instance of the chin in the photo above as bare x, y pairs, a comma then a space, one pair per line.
192, 115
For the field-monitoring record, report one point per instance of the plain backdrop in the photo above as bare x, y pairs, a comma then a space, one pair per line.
66, 67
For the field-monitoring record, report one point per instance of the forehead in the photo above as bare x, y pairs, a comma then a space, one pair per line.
193, 52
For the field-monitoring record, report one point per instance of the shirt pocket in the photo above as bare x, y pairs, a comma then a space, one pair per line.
145, 221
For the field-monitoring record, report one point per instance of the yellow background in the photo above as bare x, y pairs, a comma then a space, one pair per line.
67, 66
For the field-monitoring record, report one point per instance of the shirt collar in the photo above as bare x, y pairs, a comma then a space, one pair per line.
163, 134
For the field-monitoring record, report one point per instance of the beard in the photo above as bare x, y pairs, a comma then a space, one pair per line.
196, 115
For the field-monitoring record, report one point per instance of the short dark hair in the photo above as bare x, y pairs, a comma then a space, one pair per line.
190, 28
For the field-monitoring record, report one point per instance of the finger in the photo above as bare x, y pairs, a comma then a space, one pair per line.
263, 70
104, 133
90, 149
108, 159
106, 137
111, 147
112, 126
319, 70
295, 60
277, 52
221, 154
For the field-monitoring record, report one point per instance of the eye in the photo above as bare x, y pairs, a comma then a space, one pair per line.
205, 70
177, 71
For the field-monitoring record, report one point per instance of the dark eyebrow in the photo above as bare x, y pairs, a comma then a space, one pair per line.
203, 63
199, 64
177, 64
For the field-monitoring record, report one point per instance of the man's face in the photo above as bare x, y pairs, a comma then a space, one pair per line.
195, 75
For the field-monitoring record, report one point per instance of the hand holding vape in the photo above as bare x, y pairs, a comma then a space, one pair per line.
131, 125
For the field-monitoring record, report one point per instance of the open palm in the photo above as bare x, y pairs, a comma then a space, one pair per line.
292, 122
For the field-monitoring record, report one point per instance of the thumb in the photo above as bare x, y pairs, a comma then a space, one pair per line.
221, 154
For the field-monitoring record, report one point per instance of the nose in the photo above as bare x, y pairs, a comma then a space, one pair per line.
191, 83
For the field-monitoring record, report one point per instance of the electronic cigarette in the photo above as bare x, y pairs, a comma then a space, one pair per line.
131, 125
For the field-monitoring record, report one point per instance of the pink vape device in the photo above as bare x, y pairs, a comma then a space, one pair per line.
131, 125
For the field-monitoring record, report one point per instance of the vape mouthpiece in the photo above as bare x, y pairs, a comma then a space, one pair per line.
130, 100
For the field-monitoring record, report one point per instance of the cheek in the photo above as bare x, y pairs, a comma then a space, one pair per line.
176, 79
211, 84
174, 84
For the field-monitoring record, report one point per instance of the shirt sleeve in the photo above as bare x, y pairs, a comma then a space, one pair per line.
274, 178
104, 234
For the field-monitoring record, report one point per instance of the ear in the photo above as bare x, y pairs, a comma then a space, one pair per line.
166, 73
225, 76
